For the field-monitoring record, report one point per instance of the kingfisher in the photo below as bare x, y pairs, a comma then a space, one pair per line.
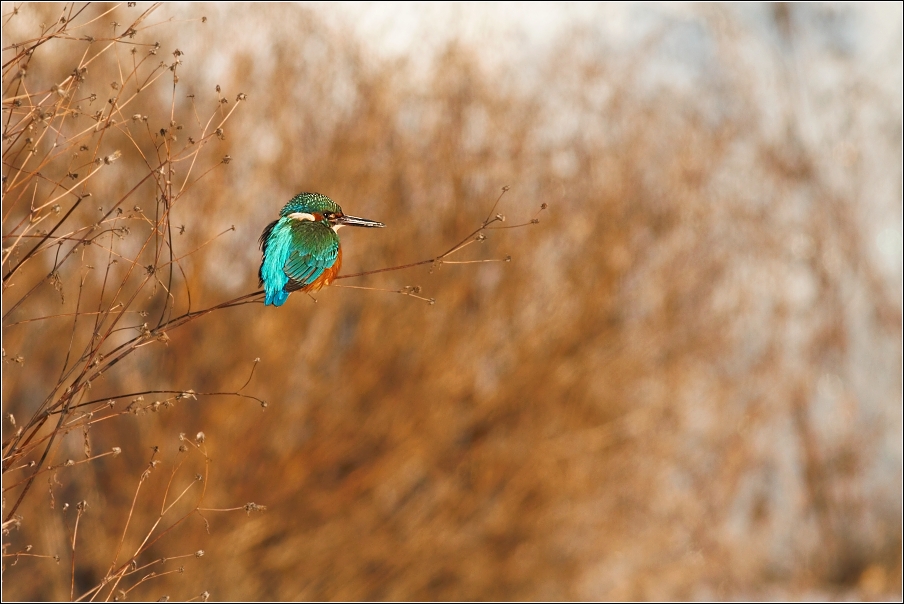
301, 250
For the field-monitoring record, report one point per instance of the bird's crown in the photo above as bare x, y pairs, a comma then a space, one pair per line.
310, 203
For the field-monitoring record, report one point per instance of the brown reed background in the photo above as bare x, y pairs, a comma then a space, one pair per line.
686, 383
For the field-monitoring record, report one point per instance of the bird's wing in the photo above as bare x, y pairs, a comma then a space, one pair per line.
315, 247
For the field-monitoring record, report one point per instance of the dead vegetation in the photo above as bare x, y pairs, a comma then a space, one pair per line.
685, 384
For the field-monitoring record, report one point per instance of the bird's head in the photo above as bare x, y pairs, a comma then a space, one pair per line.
319, 207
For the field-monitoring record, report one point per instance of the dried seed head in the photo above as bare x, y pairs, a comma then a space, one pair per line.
199, 553
116, 451
544, 205
200, 437
254, 507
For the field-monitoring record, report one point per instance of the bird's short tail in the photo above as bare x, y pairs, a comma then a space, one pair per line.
276, 298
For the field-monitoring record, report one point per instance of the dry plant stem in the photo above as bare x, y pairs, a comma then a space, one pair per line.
471, 238
127, 347
141, 479
123, 281
62, 465
149, 405
79, 510
71, 250
151, 173
115, 577
36, 42
31, 478
405, 291
148, 577
24, 554
85, 64
51, 115
164, 162
178, 392
38, 421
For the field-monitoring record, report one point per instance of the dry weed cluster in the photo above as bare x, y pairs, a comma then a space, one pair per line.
685, 384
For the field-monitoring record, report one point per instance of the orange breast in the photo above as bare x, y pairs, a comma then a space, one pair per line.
326, 277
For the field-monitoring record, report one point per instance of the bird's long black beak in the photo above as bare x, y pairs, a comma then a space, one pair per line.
358, 222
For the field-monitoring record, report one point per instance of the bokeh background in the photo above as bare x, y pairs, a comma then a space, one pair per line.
686, 384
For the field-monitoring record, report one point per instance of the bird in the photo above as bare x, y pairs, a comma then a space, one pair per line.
300, 250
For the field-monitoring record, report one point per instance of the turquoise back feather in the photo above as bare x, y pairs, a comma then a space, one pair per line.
296, 252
